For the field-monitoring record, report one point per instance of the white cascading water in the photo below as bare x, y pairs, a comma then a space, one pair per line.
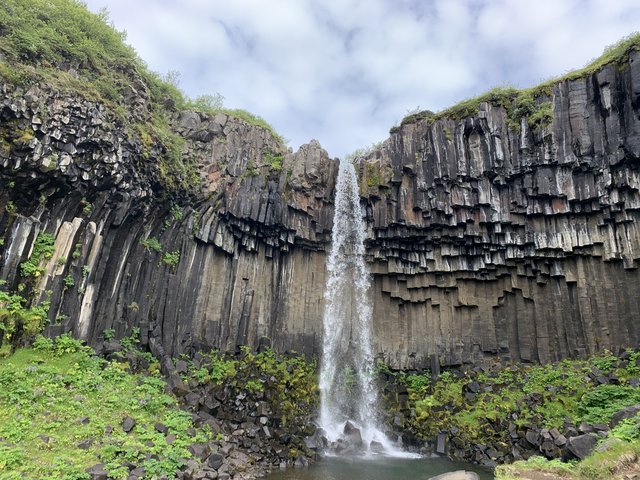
347, 390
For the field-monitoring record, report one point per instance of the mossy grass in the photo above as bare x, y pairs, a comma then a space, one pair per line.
530, 102
59, 402
604, 464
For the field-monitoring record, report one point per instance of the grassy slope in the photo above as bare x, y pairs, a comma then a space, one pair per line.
531, 102
61, 43
58, 395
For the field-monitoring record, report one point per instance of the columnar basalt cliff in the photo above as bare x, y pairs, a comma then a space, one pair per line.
241, 261
487, 236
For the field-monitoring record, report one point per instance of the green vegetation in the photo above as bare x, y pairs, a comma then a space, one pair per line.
68, 281
171, 258
483, 403
151, 244
42, 250
253, 119
18, 322
288, 382
62, 410
273, 159
532, 103
61, 44
609, 463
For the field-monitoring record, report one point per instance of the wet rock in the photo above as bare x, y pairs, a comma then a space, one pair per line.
376, 447
318, 441
128, 423
352, 435
458, 475
441, 443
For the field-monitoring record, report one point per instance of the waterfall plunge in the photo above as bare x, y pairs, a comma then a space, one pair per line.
346, 376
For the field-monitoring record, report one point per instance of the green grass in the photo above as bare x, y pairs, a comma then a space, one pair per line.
47, 391
531, 102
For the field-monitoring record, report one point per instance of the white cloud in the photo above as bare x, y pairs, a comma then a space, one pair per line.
344, 71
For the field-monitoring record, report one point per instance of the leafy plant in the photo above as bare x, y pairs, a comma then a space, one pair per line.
43, 249
68, 281
151, 244
273, 159
171, 258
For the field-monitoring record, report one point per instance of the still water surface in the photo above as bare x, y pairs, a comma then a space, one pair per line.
377, 468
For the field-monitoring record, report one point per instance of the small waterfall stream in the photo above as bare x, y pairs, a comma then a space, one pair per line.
347, 390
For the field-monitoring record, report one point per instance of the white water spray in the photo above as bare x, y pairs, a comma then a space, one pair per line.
347, 390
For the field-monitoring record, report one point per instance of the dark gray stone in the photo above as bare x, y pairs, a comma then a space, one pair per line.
128, 423
97, 472
215, 460
582, 445
627, 412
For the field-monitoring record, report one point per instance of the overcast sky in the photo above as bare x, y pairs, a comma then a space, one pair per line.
345, 71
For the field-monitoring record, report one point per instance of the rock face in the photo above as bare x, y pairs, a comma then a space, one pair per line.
486, 239
524, 243
242, 261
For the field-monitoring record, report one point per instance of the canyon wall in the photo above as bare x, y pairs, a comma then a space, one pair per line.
486, 238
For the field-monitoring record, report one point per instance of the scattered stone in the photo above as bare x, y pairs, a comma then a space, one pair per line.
160, 427
128, 423
84, 444
215, 461
97, 472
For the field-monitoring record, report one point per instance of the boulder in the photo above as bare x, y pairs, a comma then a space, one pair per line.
457, 475
97, 472
128, 423
627, 412
582, 445
352, 435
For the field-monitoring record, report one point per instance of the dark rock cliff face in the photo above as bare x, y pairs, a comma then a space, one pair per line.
485, 239
249, 250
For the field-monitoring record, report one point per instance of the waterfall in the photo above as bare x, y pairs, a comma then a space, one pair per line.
347, 390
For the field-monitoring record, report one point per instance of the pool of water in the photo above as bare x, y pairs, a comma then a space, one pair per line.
377, 468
